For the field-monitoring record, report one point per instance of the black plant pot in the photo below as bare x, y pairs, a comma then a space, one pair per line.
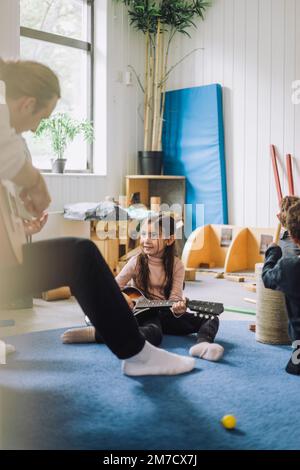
58, 165
150, 162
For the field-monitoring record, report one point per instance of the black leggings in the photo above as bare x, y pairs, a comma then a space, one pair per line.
154, 323
77, 263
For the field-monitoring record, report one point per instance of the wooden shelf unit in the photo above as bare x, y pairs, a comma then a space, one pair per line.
171, 189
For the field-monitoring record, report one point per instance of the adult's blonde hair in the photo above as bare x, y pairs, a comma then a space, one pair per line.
28, 78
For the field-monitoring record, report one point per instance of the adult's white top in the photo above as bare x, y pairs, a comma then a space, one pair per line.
13, 148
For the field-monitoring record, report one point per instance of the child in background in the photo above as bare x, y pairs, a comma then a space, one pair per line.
159, 273
288, 247
283, 273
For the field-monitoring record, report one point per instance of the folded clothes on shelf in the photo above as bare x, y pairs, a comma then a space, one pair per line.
105, 210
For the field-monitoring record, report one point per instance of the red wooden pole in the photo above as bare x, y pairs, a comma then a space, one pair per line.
276, 173
289, 168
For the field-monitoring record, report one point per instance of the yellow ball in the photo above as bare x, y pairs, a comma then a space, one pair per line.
229, 421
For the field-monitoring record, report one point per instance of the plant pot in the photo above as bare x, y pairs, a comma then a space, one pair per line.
58, 165
150, 162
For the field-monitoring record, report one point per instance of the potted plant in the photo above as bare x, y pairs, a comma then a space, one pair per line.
62, 130
159, 21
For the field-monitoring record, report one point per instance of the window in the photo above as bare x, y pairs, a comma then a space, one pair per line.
59, 33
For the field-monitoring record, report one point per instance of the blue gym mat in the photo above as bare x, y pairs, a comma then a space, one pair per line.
56, 396
193, 144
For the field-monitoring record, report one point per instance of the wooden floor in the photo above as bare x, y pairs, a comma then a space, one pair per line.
43, 316
67, 313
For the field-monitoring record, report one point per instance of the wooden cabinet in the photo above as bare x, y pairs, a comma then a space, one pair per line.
170, 189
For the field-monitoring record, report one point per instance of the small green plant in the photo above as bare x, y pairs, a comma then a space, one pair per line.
62, 130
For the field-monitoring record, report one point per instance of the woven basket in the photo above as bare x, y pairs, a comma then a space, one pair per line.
271, 314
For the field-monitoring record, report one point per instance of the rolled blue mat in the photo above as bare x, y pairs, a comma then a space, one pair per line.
194, 147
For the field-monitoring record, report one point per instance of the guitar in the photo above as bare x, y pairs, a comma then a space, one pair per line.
142, 305
199, 308
12, 235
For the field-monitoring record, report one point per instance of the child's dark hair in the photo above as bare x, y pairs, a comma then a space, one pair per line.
293, 220
286, 203
165, 225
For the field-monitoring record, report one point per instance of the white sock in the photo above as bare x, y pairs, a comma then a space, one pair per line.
154, 361
208, 351
10, 349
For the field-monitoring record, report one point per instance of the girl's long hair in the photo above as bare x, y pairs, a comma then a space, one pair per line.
165, 226
28, 78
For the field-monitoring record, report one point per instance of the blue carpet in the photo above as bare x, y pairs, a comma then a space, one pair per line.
74, 397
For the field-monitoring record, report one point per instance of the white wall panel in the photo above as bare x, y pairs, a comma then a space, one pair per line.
250, 47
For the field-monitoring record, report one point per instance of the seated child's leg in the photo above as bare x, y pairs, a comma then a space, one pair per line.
206, 331
152, 332
205, 347
155, 361
150, 327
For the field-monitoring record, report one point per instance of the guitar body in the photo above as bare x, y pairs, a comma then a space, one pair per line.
12, 236
134, 293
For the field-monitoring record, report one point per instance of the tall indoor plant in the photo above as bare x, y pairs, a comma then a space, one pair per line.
159, 21
62, 130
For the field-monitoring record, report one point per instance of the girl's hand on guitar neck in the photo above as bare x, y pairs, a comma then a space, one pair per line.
179, 308
34, 226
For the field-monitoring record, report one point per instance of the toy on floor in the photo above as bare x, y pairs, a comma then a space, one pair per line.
229, 421
61, 293
232, 249
5, 323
